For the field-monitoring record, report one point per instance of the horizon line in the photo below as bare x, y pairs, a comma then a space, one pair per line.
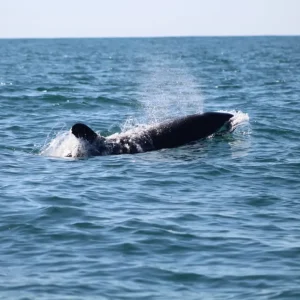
150, 36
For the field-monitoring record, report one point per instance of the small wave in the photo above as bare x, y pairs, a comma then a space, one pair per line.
54, 98
5, 83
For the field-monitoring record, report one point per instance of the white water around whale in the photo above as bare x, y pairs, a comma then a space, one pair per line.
63, 144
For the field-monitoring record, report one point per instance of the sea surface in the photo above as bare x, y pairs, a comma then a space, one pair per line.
215, 219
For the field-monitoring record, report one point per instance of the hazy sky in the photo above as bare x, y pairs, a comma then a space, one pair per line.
106, 18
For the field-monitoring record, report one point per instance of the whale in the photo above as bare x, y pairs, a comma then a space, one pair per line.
167, 134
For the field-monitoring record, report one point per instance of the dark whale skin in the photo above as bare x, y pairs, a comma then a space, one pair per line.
167, 134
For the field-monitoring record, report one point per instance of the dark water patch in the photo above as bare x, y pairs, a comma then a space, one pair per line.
54, 89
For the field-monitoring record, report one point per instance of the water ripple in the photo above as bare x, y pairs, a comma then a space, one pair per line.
216, 219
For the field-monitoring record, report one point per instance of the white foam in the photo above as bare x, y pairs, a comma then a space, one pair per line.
239, 118
63, 145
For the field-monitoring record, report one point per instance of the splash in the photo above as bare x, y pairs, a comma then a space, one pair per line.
239, 118
167, 94
64, 144
169, 91
241, 144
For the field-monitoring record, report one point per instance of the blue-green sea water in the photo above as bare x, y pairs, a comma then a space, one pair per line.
216, 219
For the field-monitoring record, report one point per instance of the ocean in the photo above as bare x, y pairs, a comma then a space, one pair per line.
215, 219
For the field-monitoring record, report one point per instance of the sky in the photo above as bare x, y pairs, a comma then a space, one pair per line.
142, 18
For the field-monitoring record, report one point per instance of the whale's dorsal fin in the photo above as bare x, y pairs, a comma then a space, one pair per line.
84, 132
